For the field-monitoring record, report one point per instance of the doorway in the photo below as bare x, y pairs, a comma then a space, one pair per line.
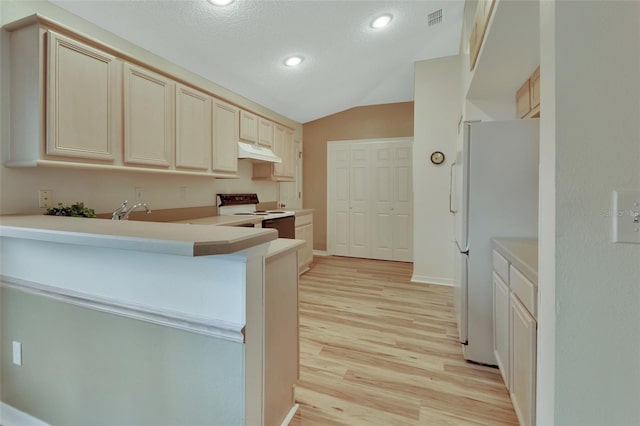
370, 199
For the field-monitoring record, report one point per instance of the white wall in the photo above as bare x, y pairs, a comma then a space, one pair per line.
104, 191
591, 130
437, 109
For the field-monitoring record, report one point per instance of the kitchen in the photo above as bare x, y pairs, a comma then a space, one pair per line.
565, 367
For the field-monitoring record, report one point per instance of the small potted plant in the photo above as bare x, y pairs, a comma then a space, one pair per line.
76, 210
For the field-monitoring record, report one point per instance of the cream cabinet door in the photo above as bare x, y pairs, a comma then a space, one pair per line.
193, 129
289, 155
305, 254
279, 150
523, 362
265, 132
82, 102
148, 117
248, 126
284, 147
501, 326
225, 137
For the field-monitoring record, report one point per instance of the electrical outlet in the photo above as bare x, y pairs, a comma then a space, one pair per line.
139, 193
45, 199
17, 353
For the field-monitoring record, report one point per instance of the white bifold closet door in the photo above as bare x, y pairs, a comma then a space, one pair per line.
369, 199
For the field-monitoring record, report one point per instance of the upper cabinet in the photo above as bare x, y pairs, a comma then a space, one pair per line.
506, 56
77, 102
82, 104
148, 117
265, 133
193, 129
225, 137
478, 29
248, 126
528, 97
283, 147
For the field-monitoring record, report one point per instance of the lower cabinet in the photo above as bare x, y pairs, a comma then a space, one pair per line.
515, 336
523, 361
281, 351
304, 231
501, 330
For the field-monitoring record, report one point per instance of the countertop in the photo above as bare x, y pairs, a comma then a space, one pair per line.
282, 246
169, 238
277, 248
301, 212
223, 220
522, 253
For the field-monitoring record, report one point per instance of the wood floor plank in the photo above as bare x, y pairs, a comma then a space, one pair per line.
376, 349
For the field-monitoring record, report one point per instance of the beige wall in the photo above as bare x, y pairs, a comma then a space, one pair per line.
85, 367
367, 122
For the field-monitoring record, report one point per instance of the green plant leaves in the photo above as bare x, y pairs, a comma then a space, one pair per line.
76, 210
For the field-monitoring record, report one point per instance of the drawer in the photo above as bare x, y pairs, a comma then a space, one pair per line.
304, 220
501, 266
524, 290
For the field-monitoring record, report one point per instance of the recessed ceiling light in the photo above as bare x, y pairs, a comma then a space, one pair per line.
221, 2
381, 21
293, 61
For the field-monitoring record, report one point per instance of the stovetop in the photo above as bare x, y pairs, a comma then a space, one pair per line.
245, 205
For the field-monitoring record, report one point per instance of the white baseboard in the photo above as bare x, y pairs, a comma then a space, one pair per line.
448, 282
320, 253
290, 414
10, 416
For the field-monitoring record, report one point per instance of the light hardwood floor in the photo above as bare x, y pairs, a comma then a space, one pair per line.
376, 349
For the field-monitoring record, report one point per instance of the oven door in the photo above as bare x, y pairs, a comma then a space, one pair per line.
286, 226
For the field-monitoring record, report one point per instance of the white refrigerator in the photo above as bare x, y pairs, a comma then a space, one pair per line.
494, 193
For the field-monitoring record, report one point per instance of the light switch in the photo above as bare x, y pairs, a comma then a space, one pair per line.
626, 216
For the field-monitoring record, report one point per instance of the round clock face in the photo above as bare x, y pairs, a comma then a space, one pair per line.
437, 157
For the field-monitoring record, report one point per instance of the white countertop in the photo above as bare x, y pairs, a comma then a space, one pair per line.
223, 220
522, 253
195, 239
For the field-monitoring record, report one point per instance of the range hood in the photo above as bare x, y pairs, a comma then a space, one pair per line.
257, 153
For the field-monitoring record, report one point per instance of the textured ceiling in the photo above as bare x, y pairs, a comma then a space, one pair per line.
242, 46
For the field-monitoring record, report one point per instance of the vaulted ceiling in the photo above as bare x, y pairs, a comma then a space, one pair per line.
243, 46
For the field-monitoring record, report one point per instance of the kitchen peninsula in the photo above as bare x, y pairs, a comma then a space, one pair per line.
147, 323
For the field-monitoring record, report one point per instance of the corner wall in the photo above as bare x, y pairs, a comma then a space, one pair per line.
437, 111
590, 66
366, 122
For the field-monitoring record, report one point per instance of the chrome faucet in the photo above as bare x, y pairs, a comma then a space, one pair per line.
122, 212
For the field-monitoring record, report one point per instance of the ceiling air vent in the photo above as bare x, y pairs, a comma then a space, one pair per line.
435, 17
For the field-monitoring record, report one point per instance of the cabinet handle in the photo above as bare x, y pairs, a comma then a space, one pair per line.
451, 209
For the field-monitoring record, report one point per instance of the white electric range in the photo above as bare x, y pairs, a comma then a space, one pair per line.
246, 205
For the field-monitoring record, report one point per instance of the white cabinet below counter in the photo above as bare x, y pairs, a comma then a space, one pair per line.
515, 294
304, 231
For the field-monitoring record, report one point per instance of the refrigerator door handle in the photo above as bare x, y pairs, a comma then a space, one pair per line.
451, 209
